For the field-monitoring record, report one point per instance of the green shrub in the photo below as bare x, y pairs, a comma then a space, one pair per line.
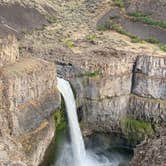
61, 128
163, 47
51, 19
119, 3
90, 74
122, 31
109, 25
136, 130
139, 17
136, 39
116, 27
60, 118
105, 26
91, 37
152, 40
137, 14
69, 43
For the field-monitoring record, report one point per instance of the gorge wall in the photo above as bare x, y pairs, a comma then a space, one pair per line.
122, 92
28, 99
127, 85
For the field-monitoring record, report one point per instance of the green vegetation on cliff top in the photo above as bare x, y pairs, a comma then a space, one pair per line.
109, 25
69, 43
152, 40
139, 17
163, 47
119, 3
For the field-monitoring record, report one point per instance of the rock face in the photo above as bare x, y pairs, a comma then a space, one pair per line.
8, 51
150, 7
28, 99
150, 74
151, 110
115, 86
152, 152
18, 19
28, 87
148, 103
102, 87
149, 89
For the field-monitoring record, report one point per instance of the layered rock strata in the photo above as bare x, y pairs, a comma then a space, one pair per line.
148, 101
111, 86
102, 83
28, 99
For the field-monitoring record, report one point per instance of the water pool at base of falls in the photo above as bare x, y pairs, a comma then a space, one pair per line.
101, 150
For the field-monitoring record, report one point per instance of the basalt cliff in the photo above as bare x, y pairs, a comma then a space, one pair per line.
28, 98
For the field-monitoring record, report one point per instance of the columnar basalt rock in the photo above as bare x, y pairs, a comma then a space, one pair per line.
148, 103
149, 89
28, 99
30, 88
106, 115
151, 110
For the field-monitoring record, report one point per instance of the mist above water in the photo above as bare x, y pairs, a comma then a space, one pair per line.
99, 157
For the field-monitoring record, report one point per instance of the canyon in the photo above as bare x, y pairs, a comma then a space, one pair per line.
119, 86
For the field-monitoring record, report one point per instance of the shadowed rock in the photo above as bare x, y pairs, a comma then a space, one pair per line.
16, 19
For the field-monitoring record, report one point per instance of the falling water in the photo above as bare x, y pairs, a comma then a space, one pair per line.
77, 143
74, 154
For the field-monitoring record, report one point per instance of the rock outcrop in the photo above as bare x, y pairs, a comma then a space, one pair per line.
152, 151
28, 99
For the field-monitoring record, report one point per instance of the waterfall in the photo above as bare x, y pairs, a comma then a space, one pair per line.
77, 143
74, 154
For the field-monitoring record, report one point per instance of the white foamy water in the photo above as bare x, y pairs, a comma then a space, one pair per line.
74, 154
77, 143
